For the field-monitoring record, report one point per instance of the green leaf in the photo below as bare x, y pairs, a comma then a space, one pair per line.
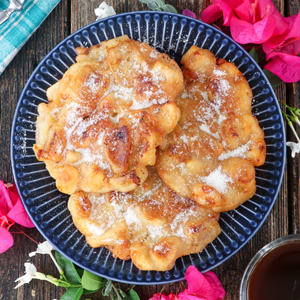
133, 295
159, 2
87, 292
274, 79
254, 54
261, 56
171, 8
152, 6
118, 295
79, 271
72, 294
124, 295
91, 281
112, 296
159, 5
108, 288
68, 268
165, 8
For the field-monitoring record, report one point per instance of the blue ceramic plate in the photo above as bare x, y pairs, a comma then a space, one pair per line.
47, 207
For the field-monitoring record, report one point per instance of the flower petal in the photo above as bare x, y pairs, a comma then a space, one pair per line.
295, 148
30, 271
6, 240
159, 296
188, 13
156, 297
243, 11
226, 7
13, 194
43, 248
216, 284
5, 202
6, 222
291, 26
212, 13
285, 66
194, 279
207, 286
245, 33
191, 297
19, 215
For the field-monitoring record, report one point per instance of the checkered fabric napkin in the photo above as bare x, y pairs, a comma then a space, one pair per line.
15, 32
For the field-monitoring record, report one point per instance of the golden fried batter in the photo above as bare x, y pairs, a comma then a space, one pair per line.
152, 225
211, 154
107, 115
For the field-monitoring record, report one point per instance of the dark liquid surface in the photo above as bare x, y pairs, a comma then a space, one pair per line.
277, 275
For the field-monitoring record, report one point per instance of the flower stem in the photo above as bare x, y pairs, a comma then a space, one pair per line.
22, 231
61, 272
294, 131
116, 291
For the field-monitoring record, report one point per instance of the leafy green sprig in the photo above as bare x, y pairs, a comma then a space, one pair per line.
159, 5
76, 281
292, 117
79, 282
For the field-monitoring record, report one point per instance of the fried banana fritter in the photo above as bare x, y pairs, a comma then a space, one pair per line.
107, 115
211, 154
152, 225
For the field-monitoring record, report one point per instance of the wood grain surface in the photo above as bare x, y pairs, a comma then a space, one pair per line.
67, 17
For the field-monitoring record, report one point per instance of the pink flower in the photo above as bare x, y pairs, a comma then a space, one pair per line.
11, 211
216, 10
285, 66
282, 52
200, 287
289, 37
160, 296
188, 13
250, 21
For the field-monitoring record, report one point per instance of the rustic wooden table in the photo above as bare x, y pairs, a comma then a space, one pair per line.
67, 17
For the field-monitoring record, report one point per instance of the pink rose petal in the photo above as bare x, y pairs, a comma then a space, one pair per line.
19, 215
285, 66
245, 33
212, 13
188, 13
6, 240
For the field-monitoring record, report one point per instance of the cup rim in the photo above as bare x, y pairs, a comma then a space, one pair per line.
258, 256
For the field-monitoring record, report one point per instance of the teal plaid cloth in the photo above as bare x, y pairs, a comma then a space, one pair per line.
15, 31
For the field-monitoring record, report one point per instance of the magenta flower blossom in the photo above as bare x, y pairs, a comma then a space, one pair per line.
11, 211
282, 52
250, 21
205, 286
188, 13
